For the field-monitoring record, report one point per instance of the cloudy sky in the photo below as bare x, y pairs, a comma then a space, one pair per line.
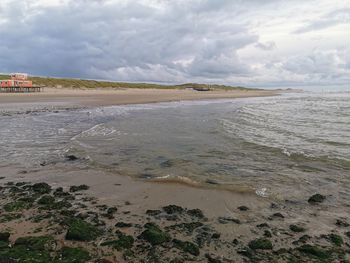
244, 42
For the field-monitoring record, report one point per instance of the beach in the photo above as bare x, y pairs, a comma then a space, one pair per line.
146, 183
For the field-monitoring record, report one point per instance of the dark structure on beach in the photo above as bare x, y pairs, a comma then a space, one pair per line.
18, 83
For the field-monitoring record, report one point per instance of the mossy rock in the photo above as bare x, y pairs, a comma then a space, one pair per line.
41, 188
81, 230
74, 255
260, 243
46, 200
335, 239
316, 198
18, 254
123, 242
296, 228
196, 213
173, 209
36, 243
9, 217
187, 247
314, 251
57, 205
154, 235
76, 188
17, 206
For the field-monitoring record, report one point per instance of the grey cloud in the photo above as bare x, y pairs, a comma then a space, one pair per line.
331, 19
266, 46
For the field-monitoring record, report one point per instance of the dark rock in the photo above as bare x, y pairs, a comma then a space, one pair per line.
260, 243
243, 208
153, 212
195, 213
263, 225
71, 157
187, 247
154, 235
342, 223
173, 209
278, 215
212, 259
4, 236
316, 198
267, 233
76, 188
46, 200
335, 239
314, 251
112, 210
123, 225
211, 181
296, 228
216, 236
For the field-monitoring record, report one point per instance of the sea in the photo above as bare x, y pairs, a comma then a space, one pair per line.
285, 147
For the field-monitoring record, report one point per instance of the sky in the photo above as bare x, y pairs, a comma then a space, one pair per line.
270, 43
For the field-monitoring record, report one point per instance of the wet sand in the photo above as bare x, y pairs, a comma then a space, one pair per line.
235, 227
109, 97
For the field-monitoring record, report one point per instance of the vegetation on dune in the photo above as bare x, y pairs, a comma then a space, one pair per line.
93, 84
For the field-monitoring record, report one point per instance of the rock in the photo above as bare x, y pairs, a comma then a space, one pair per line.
347, 234
112, 210
16, 206
335, 239
81, 230
76, 255
123, 225
36, 243
46, 200
211, 259
314, 251
211, 181
187, 247
243, 208
41, 188
296, 228
267, 233
216, 236
260, 243
123, 242
263, 225
188, 228
71, 157
226, 220
196, 213
316, 198
154, 235
173, 209
342, 223
4, 236
278, 215
153, 212
76, 188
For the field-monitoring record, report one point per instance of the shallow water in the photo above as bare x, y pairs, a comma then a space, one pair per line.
286, 146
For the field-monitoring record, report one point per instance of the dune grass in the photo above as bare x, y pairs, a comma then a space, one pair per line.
94, 84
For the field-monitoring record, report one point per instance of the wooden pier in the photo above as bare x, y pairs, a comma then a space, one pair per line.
20, 89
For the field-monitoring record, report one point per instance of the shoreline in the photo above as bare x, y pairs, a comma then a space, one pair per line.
109, 97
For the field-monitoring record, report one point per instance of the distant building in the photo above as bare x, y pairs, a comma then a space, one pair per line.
18, 83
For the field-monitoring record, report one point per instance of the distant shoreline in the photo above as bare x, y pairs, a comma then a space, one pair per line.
67, 97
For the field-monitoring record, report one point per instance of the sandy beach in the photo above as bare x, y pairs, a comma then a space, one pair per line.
108, 97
